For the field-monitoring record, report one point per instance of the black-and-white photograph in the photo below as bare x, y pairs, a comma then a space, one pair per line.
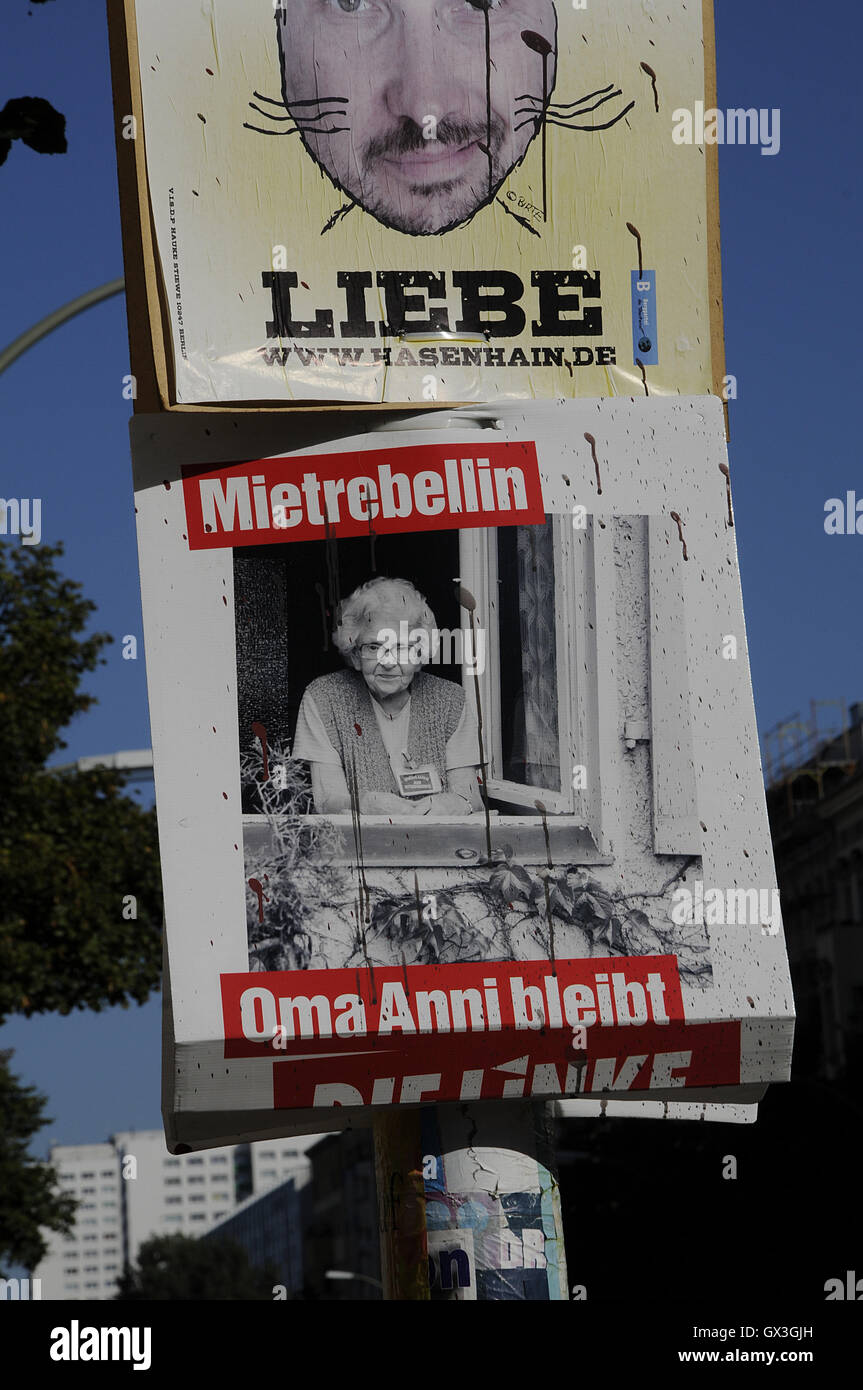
361, 72
423, 755
389, 662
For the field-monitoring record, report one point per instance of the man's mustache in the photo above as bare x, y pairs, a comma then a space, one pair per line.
407, 137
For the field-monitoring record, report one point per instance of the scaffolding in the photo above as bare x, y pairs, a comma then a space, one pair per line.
809, 749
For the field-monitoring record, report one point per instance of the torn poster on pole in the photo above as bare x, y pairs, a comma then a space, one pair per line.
455, 201
456, 764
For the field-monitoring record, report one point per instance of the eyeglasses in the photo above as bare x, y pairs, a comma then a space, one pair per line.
413, 651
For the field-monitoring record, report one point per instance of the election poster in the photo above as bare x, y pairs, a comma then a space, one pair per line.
425, 201
457, 773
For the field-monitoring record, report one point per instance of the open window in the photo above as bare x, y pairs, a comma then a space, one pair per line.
531, 624
525, 657
534, 597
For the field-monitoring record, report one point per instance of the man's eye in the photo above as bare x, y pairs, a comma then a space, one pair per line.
348, 6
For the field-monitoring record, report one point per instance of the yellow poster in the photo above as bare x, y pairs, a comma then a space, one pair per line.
429, 200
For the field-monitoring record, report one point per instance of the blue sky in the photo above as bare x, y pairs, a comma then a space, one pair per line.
790, 233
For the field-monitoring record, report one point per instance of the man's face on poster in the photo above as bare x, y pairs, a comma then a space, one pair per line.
396, 100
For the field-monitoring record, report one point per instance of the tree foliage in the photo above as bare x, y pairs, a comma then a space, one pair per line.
180, 1268
28, 1199
72, 845
33, 121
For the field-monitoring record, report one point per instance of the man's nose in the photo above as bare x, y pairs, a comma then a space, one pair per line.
428, 68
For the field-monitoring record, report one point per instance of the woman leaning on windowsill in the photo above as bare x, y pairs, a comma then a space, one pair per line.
405, 739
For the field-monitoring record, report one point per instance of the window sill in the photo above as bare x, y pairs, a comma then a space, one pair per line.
414, 841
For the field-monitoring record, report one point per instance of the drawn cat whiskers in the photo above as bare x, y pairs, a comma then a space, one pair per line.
309, 124
604, 92
565, 114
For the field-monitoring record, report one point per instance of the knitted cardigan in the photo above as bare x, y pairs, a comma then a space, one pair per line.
344, 703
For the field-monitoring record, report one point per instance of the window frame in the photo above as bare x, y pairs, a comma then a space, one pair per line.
479, 567
587, 718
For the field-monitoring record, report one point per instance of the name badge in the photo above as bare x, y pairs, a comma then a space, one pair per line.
419, 781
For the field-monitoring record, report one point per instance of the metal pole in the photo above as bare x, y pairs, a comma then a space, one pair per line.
493, 1210
47, 325
401, 1206
470, 1204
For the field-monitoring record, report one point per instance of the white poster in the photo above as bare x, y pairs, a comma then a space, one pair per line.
457, 774
363, 200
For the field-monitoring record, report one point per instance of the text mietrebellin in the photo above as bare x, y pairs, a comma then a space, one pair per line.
350, 494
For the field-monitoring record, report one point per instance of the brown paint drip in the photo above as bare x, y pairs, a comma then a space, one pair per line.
372, 978
405, 975
258, 889
540, 806
419, 911
637, 234
645, 67
331, 552
486, 149
675, 517
364, 900
723, 468
261, 734
373, 564
541, 45
468, 602
640, 365
320, 592
592, 442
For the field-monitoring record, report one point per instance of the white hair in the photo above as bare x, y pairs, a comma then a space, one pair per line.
362, 606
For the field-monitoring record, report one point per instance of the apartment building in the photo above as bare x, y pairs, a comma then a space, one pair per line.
130, 1188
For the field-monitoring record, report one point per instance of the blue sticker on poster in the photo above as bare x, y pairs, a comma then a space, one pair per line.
645, 338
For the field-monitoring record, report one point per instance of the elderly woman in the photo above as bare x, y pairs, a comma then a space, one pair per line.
405, 739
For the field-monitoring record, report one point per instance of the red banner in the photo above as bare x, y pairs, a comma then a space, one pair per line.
617, 1060
469, 1032
428, 487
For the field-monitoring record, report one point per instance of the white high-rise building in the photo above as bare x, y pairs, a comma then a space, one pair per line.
131, 1188
87, 1263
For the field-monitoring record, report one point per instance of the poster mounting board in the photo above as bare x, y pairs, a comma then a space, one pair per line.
489, 204
592, 910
